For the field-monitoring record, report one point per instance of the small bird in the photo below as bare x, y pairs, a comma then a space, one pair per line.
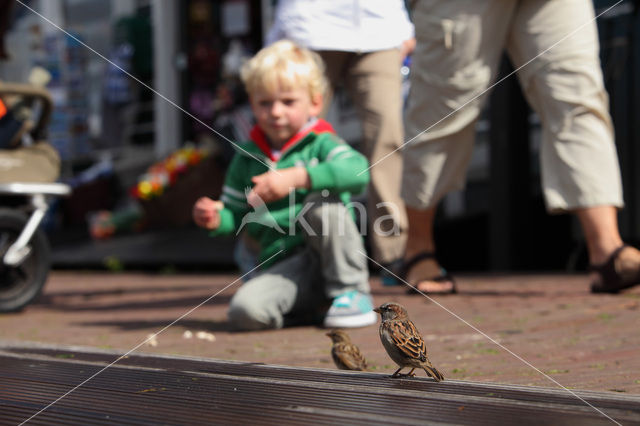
403, 341
345, 354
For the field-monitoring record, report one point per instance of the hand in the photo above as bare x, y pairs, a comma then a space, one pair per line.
407, 47
206, 213
276, 184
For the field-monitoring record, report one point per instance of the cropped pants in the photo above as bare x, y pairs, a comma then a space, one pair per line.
553, 45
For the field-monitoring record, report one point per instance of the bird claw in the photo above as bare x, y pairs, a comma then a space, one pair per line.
400, 375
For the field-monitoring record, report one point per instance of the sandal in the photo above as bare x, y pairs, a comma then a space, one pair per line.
611, 280
443, 277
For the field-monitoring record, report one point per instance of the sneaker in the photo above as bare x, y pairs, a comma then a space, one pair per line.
351, 309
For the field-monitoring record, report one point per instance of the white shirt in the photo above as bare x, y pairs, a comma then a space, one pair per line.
345, 25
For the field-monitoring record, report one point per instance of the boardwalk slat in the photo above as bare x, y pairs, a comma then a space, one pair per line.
144, 389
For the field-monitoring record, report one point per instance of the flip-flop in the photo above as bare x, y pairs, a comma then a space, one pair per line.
612, 281
444, 276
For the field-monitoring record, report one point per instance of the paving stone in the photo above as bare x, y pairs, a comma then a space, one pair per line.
540, 329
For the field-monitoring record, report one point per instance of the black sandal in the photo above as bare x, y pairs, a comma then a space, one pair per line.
443, 277
610, 280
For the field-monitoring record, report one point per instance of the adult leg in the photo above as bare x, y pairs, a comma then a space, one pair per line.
580, 171
335, 63
600, 227
374, 82
459, 44
420, 241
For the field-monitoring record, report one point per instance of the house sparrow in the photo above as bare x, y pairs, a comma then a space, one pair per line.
403, 341
345, 354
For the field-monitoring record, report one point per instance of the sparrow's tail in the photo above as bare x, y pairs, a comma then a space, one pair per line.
433, 372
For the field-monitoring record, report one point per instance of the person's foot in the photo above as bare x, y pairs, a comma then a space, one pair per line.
437, 281
351, 309
620, 271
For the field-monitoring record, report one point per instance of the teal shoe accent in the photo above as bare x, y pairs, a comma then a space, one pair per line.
351, 309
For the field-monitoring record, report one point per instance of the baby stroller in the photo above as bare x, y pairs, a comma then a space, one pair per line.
29, 166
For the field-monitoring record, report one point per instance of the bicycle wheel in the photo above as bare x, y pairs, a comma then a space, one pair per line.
21, 284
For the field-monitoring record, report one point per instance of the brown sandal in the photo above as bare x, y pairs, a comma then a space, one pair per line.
612, 281
443, 277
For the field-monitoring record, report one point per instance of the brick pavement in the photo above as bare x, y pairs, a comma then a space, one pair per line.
579, 340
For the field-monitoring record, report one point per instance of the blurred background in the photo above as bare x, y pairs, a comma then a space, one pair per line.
139, 151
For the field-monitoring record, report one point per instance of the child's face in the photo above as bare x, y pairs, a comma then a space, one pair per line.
281, 114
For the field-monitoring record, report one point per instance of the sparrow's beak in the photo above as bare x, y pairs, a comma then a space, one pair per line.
376, 310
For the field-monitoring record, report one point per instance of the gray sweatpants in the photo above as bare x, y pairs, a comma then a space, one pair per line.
304, 283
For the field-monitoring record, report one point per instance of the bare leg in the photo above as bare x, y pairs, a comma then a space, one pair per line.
600, 228
396, 374
421, 236
420, 239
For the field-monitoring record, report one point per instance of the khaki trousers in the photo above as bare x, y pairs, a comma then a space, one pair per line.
555, 42
374, 83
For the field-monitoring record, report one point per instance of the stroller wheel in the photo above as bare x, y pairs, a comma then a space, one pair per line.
21, 284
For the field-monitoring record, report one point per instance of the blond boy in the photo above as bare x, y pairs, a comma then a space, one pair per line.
287, 189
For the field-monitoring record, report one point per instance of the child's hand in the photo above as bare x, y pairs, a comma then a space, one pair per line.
274, 185
206, 213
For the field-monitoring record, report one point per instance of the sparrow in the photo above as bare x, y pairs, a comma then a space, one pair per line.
345, 354
403, 341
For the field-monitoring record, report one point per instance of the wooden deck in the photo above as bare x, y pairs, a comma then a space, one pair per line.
44, 385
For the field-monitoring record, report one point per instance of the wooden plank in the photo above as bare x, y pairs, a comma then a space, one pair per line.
142, 389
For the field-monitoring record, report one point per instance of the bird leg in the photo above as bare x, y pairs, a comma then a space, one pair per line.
409, 374
396, 373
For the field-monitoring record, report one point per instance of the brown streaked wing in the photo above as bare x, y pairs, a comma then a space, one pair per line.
351, 356
408, 339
